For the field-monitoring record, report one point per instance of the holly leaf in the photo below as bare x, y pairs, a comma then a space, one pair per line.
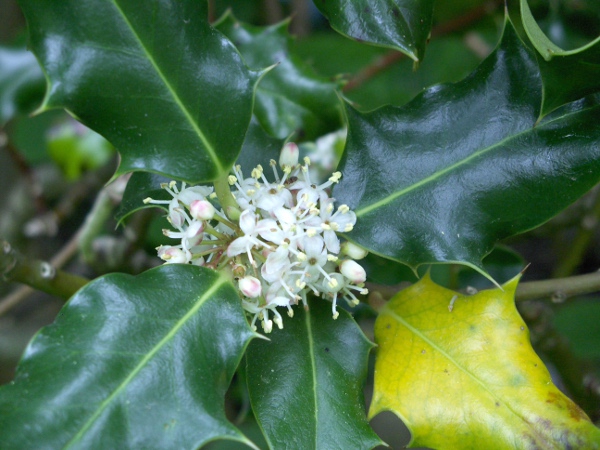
567, 74
469, 378
131, 362
22, 83
291, 98
140, 186
258, 148
400, 24
306, 382
154, 78
460, 167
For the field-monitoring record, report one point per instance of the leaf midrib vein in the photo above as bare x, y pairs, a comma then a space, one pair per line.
208, 146
434, 176
311, 351
145, 360
387, 310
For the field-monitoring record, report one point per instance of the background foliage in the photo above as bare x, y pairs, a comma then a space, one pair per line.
440, 176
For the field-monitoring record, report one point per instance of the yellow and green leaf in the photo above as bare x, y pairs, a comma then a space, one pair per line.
461, 373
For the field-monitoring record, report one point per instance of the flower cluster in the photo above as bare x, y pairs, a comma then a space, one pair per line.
279, 240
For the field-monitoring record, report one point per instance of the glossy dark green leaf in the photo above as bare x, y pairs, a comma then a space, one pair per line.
306, 382
291, 98
140, 186
383, 271
401, 24
258, 148
502, 264
567, 74
22, 83
167, 90
462, 165
131, 362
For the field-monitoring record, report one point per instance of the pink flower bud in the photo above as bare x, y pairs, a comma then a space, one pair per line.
250, 286
353, 271
289, 155
202, 210
172, 254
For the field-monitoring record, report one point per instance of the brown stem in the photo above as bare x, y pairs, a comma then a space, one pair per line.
25, 169
388, 59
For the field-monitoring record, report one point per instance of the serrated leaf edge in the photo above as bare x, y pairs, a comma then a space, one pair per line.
208, 146
201, 300
509, 288
546, 48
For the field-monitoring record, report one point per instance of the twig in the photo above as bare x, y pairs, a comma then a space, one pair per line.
38, 274
300, 25
559, 289
273, 11
48, 223
576, 251
59, 260
26, 171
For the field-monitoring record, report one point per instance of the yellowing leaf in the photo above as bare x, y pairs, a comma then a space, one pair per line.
466, 377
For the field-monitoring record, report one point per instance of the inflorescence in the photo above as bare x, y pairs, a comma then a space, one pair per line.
279, 241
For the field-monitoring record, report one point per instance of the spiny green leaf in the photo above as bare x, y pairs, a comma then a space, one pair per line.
401, 24
462, 166
567, 74
306, 382
258, 148
166, 89
131, 362
460, 372
22, 83
140, 186
291, 98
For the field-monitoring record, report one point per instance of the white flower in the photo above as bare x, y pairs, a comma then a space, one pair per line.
281, 244
251, 227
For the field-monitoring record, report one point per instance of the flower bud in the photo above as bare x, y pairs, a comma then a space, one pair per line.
202, 210
267, 325
239, 271
171, 254
289, 155
353, 251
250, 286
232, 213
353, 271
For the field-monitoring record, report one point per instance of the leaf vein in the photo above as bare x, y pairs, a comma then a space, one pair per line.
434, 176
201, 300
208, 146
417, 332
